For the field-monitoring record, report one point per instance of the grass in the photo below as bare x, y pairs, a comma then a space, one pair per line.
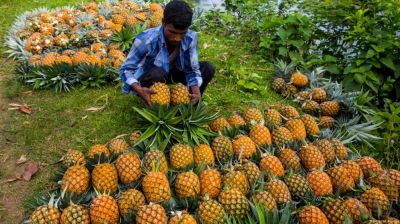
61, 121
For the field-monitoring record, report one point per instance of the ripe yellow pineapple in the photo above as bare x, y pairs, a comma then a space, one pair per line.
260, 135
265, 201
105, 178
354, 169
289, 159
310, 107
326, 122
251, 171
50, 59
281, 136
288, 112
151, 214
356, 209
128, 167
310, 124
35, 60
318, 95
97, 150
181, 156
79, 58
278, 85
134, 137
222, 148
181, 217
302, 96
311, 157
46, 214
394, 175
179, 94
236, 120
61, 40
320, 183
210, 212
130, 201
312, 215
340, 149
272, 165
219, 124
243, 147
253, 115
234, 203
335, 211
273, 117
341, 178
118, 19
279, 191
46, 29
117, 145
104, 209
326, 148
236, 180
74, 157
330, 108
161, 95
76, 180
298, 185
297, 128
155, 158
298, 79
370, 166
63, 59
385, 184
187, 185
131, 21
376, 201
155, 187
203, 155
75, 214
210, 182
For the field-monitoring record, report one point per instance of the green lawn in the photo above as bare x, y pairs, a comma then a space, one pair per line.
61, 121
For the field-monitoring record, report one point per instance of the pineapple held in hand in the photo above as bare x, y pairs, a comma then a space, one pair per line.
161, 95
179, 94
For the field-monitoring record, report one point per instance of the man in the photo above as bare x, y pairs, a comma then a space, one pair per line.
167, 54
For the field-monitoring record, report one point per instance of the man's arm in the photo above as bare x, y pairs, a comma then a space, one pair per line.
193, 77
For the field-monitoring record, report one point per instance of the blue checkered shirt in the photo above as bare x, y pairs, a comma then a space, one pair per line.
149, 49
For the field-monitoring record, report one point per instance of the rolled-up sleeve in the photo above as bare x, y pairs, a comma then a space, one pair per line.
132, 69
193, 76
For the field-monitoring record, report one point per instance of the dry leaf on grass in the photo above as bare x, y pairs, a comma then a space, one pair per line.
99, 108
21, 160
29, 171
21, 107
10, 180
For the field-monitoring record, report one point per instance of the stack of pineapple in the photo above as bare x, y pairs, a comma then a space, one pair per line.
267, 158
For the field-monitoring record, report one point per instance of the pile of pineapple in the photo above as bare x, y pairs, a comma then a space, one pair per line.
258, 161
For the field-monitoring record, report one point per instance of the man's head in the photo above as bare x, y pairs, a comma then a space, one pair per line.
176, 21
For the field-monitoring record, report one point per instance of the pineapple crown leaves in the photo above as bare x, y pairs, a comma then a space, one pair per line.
124, 38
284, 69
262, 216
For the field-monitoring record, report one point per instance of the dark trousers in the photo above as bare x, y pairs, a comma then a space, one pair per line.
156, 74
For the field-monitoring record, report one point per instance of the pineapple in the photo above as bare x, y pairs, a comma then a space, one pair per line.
222, 148
330, 108
260, 135
219, 124
289, 159
298, 79
311, 157
210, 182
210, 212
50, 59
74, 157
105, 178
310, 124
394, 175
179, 94
76, 180
236, 180
357, 210
46, 214
98, 150
273, 117
61, 40
370, 166
203, 155
251, 171
155, 187
187, 185
326, 122
236, 120
151, 214
312, 215
302, 96
297, 128
340, 149
341, 179
318, 95
335, 211
272, 165
181, 156
131, 21
290, 91
155, 158
128, 167
46, 29
243, 147
278, 85
376, 201
234, 203
288, 112
134, 137
117, 145
75, 214
354, 169
310, 107
281, 136
181, 218
35, 60
63, 59
320, 183
161, 95
79, 58
385, 184
118, 19
253, 115
279, 191
130, 201
104, 209
326, 148
265, 201
298, 185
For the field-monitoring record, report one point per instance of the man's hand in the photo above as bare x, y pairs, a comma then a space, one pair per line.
144, 93
196, 95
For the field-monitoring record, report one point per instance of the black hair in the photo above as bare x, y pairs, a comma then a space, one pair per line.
178, 13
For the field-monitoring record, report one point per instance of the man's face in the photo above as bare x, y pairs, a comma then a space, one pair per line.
173, 36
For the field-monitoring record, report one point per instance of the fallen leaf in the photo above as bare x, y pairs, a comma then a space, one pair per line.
22, 160
29, 171
95, 109
21, 107
11, 180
